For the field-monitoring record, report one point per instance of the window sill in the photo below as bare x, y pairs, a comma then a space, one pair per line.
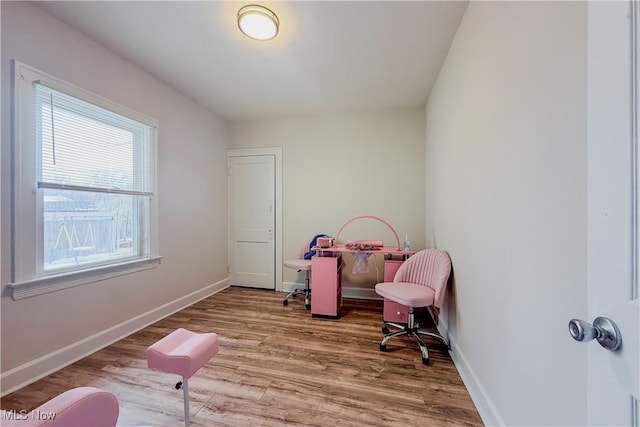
45, 285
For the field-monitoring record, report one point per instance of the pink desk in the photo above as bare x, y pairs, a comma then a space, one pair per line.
326, 280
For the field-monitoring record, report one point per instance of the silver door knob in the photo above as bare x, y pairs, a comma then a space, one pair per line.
603, 330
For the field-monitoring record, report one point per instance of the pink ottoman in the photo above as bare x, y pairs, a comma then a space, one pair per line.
182, 352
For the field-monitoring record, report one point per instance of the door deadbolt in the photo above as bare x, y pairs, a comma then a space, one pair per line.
603, 330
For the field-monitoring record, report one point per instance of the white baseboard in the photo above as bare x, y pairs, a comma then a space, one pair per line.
485, 406
359, 293
36, 369
290, 286
481, 399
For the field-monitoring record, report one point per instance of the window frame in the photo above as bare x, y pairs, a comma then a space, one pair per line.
29, 276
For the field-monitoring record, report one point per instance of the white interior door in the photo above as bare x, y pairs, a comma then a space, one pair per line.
252, 221
612, 377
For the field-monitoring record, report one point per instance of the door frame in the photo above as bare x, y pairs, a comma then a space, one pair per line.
612, 210
277, 153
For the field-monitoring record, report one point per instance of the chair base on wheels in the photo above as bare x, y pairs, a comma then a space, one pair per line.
413, 330
306, 292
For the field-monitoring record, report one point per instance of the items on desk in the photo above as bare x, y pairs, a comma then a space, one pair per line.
406, 245
375, 218
364, 245
312, 244
325, 242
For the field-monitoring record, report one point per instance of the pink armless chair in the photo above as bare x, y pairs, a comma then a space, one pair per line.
419, 282
78, 407
300, 264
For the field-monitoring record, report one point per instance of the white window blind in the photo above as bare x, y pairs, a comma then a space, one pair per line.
85, 147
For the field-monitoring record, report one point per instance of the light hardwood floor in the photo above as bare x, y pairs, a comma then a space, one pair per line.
276, 366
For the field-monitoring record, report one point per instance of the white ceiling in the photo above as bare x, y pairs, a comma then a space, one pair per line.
330, 56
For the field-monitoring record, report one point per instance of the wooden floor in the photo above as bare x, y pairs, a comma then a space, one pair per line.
276, 366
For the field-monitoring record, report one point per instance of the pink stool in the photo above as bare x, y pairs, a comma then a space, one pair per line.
182, 352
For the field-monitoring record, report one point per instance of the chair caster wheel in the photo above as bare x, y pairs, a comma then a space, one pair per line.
178, 385
383, 347
385, 330
425, 361
285, 302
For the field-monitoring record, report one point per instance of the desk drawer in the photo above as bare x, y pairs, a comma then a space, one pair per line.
393, 312
391, 266
326, 286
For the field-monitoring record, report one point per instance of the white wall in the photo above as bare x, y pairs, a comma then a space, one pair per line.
192, 189
338, 166
506, 196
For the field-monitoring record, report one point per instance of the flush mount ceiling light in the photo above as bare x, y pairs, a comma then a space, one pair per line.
258, 22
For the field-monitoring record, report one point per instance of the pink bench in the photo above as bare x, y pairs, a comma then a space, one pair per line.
183, 352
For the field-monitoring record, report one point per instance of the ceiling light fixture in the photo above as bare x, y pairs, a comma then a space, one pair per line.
258, 22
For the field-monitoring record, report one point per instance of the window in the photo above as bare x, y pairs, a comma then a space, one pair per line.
84, 184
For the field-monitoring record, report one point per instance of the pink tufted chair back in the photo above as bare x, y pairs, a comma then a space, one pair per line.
429, 267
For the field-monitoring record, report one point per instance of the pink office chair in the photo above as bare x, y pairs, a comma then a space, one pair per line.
419, 282
300, 264
78, 407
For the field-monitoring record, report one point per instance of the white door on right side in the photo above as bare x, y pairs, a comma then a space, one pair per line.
612, 376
